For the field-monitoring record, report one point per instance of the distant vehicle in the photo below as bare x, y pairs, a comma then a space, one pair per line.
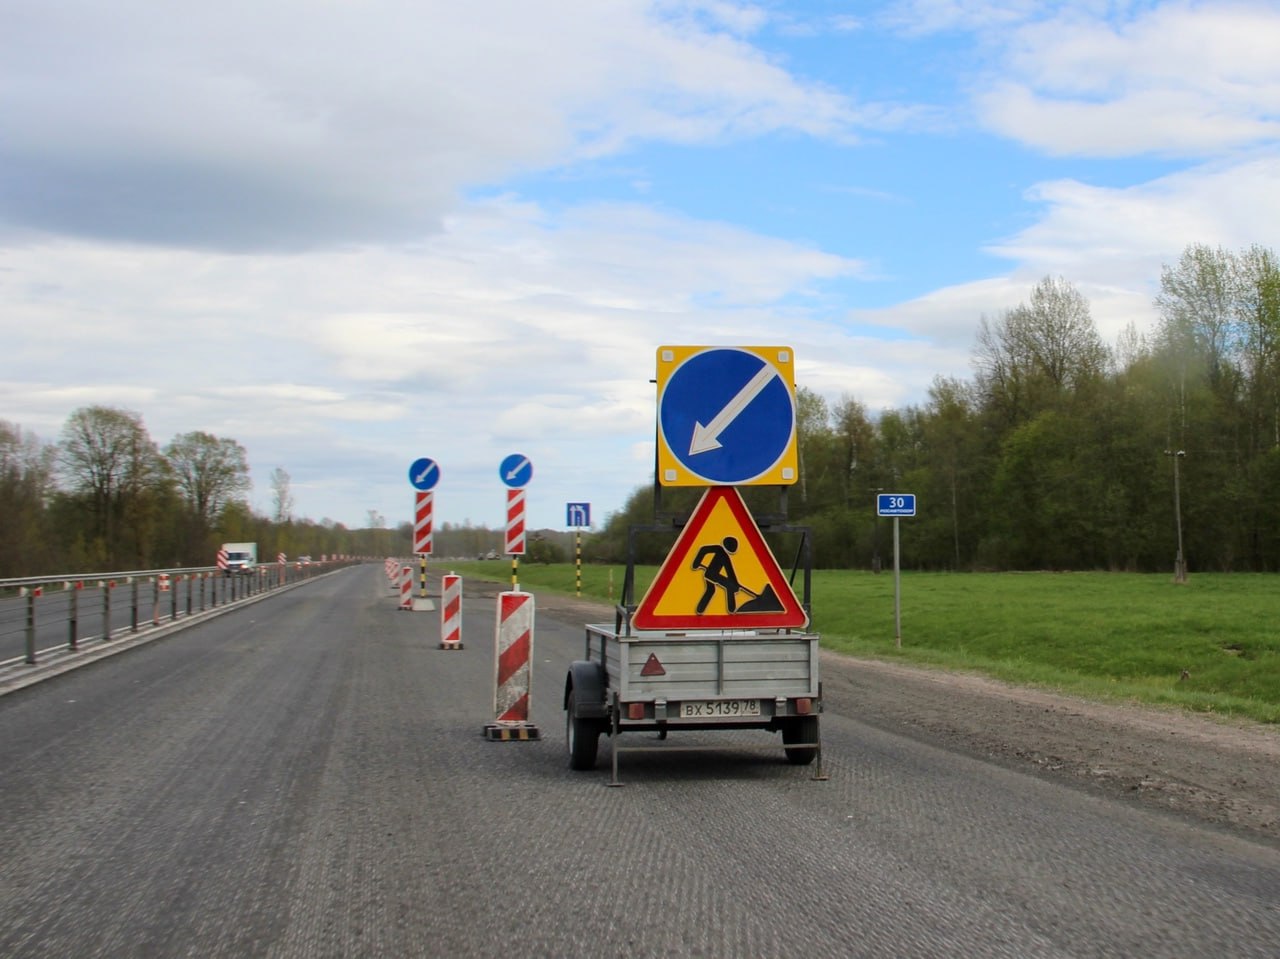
304, 560
241, 557
491, 555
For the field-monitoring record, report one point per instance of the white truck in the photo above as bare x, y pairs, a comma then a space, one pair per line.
241, 557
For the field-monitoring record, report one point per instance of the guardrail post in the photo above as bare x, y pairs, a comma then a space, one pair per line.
31, 627
73, 619
106, 609
190, 589
133, 615
173, 598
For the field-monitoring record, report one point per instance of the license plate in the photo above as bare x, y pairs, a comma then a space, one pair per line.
719, 708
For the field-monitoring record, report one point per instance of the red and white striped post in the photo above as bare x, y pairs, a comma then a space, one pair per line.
515, 522
450, 611
283, 562
513, 671
393, 572
162, 586
406, 587
514, 546
423, 506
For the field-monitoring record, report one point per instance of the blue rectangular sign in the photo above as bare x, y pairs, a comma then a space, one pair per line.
896, 504
577, 515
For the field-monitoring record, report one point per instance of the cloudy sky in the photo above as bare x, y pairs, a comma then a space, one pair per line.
352, 233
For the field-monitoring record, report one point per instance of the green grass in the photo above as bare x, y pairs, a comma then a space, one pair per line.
1212, 645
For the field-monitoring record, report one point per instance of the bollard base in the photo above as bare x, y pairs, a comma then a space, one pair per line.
457, 645
423, 605
505, 733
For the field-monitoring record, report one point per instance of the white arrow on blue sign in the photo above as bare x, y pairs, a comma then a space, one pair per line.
424, 474
896, 504
516, 471
577, 515
726, 416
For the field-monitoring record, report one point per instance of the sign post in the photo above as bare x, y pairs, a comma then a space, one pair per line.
577, 515
424, 474
896, 505
515, 471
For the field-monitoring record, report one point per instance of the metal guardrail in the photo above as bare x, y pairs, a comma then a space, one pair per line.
44, 615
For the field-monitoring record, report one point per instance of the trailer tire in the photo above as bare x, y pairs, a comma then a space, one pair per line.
581, 735
802, 730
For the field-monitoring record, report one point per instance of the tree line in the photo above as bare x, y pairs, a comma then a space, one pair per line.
106, 497
1060, 452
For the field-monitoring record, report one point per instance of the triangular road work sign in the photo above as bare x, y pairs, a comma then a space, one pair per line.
720, 574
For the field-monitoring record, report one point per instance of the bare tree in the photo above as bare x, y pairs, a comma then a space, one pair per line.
1040, 351
281, 497
107, 456
209, 472
26, 482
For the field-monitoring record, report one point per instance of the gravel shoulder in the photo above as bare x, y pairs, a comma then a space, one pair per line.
1221, 772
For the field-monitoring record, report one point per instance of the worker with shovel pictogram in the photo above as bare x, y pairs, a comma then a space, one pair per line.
716, 564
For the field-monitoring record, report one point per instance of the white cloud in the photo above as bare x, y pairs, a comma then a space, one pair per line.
294, 125
1172, 79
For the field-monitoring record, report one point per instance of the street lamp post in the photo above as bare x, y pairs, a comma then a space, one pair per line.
1179, 562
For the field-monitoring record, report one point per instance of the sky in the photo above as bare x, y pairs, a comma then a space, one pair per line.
349, 234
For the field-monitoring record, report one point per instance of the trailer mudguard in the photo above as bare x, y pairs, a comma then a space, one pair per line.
587, 680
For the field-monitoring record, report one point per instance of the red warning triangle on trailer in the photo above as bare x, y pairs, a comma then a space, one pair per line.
653, 666
720, 574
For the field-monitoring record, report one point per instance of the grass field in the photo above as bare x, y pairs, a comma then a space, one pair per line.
1211, 645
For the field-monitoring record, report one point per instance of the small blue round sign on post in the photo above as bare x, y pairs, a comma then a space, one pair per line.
515, 471
424, 474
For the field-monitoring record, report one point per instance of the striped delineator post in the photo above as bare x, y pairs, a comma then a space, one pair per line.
423, 507
162, 586
393, 572
513, 670
515, 522
450, 611
406, 587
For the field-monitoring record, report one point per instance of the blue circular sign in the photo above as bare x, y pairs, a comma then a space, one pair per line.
727, 416
516, 471
424, 473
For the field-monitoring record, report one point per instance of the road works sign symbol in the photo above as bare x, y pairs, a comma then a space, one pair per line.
720, 574
726, 416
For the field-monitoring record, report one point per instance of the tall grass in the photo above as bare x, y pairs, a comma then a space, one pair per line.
1212, 645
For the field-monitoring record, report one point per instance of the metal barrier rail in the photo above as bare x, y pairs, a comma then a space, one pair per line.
42, 615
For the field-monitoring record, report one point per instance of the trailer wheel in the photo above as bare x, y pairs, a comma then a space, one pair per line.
582, 736
802, 730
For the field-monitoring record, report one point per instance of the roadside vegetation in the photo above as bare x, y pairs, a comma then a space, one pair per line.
1209, 645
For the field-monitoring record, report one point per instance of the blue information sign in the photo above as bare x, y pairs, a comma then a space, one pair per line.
424, 474
577, 515
896, 504
516, 471
726, 416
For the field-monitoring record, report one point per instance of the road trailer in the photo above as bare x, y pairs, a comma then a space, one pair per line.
647, 680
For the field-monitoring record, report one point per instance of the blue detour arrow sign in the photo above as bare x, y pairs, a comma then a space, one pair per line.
726, 416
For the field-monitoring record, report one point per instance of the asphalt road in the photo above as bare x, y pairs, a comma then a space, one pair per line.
307, 776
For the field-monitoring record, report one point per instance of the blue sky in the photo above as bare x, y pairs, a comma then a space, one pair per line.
351, 234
